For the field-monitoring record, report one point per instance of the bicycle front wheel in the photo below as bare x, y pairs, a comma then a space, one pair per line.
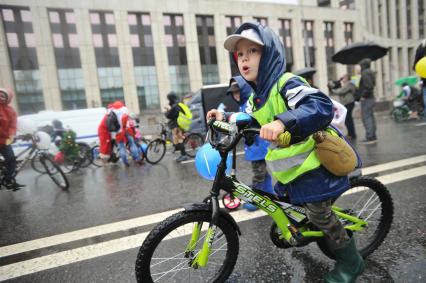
367, 199
37, 165
163, 256
192, 144
54, 172
155, 151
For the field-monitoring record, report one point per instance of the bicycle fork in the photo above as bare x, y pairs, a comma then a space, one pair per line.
202, 257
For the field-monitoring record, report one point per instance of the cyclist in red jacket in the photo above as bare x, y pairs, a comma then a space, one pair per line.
7, 132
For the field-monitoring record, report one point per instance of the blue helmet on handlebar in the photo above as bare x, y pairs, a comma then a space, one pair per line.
207, 160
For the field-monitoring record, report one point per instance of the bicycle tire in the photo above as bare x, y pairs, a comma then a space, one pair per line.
154, 241
192, 143
155, 151
55, 173
85, 154
384, 222
69, 165
37, 165
96, 160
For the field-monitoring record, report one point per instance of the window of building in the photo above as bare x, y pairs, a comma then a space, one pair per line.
17, 22
176, 52
309, 47
398, 21
388, 20
67, 56
285, 33
408, 11
347, 4
421, 15
207, 48
261, 20
348, 29
329, 49
232, 23
324, 3
107, 58
143, 60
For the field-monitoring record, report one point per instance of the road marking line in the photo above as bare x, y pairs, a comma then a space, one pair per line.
393, 165
129, 242
402, 175
85, 233
149, 219
420, 124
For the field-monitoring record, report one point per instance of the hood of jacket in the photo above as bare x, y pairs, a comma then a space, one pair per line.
272, 63
365, 63
173, 98
245, 89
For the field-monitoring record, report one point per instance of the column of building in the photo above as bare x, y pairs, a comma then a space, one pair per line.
87, 57
192, 51
126, 61
160, 54
46, 58
6, 72
223, 62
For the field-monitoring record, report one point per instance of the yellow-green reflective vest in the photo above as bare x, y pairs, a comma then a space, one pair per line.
286, 164
184, 119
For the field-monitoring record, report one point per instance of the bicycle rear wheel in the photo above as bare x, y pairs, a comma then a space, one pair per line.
192, 144
155, 151
54, 172
369, 200
163, 257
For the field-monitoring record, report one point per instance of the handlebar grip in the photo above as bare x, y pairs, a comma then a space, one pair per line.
283, 139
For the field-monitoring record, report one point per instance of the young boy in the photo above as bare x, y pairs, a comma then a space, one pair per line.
284, 102
240, 91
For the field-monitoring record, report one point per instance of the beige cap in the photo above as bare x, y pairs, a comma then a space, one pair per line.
249, 34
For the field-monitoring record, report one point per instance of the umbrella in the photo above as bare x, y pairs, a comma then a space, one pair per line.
353, 53
411, 80
305, 72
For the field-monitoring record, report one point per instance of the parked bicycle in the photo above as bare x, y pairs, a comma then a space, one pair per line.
157, 147
201, 244
37, 154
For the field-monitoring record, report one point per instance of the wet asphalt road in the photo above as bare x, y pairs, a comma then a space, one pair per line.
105, 195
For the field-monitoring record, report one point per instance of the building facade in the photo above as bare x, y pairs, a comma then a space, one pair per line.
61, 54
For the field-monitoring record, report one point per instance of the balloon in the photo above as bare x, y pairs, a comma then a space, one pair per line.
26, 126
42, 140
421, 67
207, 160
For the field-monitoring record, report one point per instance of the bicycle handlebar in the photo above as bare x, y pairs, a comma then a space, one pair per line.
232, 130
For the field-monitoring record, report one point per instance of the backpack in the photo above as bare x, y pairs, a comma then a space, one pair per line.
184, 119
112, 122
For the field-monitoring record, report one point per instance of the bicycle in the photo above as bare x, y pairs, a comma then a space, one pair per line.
34, 153
157, 147
73, 162
115, 154
201, 243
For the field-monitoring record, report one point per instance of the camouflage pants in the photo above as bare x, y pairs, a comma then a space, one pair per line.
259, 171
321, 215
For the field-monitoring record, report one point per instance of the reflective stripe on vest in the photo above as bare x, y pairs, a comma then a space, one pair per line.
184, 121
286, 164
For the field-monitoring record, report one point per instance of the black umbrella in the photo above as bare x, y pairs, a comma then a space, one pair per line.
305, 72
352, 54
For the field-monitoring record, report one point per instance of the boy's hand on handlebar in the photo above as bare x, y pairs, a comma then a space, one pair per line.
214, 113
271, 130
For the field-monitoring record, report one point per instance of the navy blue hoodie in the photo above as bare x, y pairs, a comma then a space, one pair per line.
309, 110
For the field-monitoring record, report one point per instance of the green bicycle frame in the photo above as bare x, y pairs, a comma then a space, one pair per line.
279, 214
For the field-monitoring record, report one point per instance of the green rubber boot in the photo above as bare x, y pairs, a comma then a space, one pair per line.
349, 264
